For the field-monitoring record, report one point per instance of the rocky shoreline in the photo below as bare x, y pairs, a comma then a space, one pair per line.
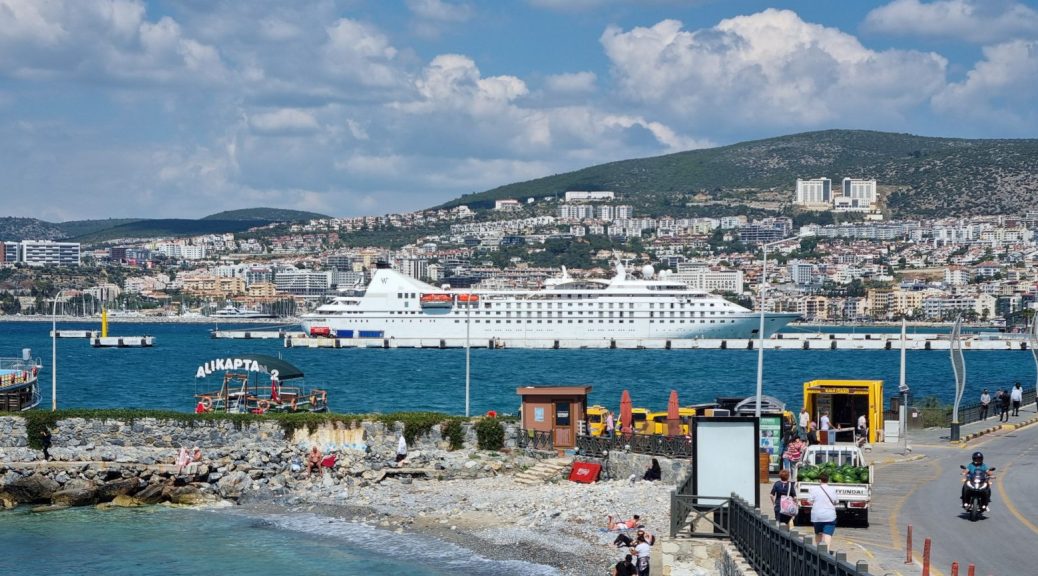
468, 497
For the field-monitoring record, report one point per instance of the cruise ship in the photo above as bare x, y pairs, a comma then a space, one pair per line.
624, 307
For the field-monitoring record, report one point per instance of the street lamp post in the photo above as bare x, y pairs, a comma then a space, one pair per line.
54, 352
760, 347
468, 352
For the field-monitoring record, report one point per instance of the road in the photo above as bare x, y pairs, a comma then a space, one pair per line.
1002, 542
925, 494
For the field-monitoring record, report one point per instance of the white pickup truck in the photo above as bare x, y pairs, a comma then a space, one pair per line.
850, 480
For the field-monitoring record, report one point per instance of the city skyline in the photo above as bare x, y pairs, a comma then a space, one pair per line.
125, 108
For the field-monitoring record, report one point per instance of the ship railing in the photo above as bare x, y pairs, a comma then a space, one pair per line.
535, 440
679, 447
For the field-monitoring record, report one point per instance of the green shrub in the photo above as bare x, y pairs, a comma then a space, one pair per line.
415, 423
454, 433
490, 434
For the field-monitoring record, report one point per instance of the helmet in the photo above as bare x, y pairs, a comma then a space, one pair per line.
978, 457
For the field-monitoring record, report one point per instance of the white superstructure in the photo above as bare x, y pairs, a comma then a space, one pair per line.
397, 306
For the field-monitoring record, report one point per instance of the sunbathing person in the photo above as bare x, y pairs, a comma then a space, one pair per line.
633, 522
313, 460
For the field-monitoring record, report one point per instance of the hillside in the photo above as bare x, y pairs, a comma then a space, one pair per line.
74, 228
929, 176
267, 214
168, 227
17, 229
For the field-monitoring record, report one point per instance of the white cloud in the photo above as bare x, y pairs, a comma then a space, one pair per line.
109, 38
362, 54
452, 81
999, 89
439, 10
286, 121
571, 83
769, 69
979, 21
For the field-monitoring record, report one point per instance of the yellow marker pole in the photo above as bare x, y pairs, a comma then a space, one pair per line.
104, 323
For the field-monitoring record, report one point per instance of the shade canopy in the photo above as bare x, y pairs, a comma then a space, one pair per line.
625, 411
260, 363
673, 415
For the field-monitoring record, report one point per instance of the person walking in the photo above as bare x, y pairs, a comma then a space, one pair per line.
46, 442
794, 452
823, 510
1004, 406
805, 420
610, 424
782, 487
1017, 397
401, 449
985, 401
644, 551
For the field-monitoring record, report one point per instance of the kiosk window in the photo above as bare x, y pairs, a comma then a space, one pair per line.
562, 413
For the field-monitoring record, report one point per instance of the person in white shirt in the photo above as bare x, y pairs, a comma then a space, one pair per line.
862, 430
823, 510
985, 402
824, 421
644, 551
401, 449
1016, 396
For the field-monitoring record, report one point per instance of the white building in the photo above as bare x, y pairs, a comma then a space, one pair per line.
303, 282
576, 211
699, 276
589, 196
816, 193
624, 212
862, 191
801, 273
507, 205
956, 276
48, 253
417, 268
606, 212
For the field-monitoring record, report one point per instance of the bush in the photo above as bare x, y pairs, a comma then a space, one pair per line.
454, 433
490, 434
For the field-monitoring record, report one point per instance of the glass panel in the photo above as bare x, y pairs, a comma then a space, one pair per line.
562, 413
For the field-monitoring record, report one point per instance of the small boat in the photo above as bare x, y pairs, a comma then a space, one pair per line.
468, 297
229, 311
19, 389
253, 384
436, 301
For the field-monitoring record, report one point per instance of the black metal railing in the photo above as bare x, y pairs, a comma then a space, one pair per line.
655, 445
534, 440
699, 516
774, 550
942, 416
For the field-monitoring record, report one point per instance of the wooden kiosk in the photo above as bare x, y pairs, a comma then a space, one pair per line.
555, 409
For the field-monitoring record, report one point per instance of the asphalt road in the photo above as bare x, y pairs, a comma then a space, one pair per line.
1003, 542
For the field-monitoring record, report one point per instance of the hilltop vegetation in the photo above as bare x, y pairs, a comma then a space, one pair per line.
267, 214
928, 177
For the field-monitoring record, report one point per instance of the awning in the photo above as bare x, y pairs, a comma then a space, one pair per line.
250, 363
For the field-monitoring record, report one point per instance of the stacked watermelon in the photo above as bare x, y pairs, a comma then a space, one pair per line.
845, 474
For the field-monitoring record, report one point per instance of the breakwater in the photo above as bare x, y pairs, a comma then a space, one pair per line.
131, 463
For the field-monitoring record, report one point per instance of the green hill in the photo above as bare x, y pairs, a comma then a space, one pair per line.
923, 176
75, 228
168, 227
266, 214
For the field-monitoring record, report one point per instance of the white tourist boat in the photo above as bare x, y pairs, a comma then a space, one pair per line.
623, 307
231, 312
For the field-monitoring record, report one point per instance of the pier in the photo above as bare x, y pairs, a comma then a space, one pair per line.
74, 333
778, 342
123, 341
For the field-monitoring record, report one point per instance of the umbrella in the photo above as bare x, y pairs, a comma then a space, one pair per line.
625, 411
673, 417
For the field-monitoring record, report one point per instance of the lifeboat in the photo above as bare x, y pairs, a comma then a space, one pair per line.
436, 301
320, 331
468, 298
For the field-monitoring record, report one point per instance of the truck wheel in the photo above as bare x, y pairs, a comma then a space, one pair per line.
865, 518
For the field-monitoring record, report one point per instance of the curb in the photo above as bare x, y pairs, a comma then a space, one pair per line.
898, 460
986, 431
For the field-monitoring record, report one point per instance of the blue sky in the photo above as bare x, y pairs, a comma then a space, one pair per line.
182, 108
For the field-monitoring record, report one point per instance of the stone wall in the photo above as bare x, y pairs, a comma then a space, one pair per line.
623, 464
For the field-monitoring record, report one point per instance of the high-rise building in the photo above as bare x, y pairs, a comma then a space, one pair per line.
864, 191
815, 193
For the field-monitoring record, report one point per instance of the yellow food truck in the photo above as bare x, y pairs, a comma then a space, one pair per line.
844, 401
659, 421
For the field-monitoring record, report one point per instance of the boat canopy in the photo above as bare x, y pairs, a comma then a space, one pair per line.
251, 363
768, 404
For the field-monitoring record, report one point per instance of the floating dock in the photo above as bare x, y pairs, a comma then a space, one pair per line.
123, 342
255, 334
781, 342
74, 333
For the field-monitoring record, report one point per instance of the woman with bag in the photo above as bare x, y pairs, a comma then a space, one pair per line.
783, 498
794, 452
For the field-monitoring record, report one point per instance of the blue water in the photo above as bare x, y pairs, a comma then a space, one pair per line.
161, 541
368, 380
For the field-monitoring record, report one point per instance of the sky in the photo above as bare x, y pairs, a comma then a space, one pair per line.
184, 108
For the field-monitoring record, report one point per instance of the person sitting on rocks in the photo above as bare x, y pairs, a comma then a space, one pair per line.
183, 459
313, 460
625, 567
196, 461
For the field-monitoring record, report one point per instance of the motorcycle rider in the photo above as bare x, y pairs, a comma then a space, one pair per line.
977, 465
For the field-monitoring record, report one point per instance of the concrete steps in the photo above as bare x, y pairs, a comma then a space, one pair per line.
544, 471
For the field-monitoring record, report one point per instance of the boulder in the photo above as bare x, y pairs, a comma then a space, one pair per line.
233, 484
118, 487
189, 496
151, 494
29, 489
124, 501
76, 492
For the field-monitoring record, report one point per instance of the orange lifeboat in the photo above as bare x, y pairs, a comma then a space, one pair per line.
436, 301
467, 298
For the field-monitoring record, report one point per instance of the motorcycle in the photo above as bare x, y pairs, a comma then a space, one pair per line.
977, 492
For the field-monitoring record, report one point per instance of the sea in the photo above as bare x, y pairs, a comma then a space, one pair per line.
158, 540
